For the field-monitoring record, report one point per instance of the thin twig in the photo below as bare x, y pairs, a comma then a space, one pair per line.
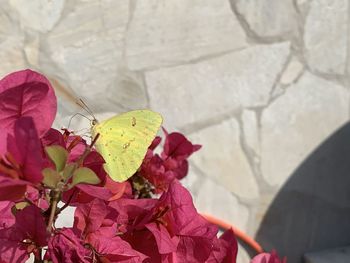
57, 192
67, 203
37, 258
53, 207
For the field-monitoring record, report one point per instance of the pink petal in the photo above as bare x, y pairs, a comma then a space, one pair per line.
144, 242
53, 137
183, 216
156, 141
31, 222
177, 146
89, 217
11, 249
27, 93
65, 246
268, 258
7, 218
166, 244
225, 249
114, 249
26, 148
12, 189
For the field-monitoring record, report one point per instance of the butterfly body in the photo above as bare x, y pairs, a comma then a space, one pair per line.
124, 139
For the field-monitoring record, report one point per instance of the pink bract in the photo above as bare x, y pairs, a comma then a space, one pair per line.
12, 189
26, 93
172, 163
225, 248
7, 219
96, 222
66, 246
25, 147
23, 161
30, 226
174, 231
268, 258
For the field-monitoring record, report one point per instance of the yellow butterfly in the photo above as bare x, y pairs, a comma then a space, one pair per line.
124, 139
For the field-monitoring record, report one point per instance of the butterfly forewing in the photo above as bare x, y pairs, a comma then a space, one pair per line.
124, 140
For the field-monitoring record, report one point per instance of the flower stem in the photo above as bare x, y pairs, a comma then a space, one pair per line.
54, 201
37, 258
68, 202
56, 194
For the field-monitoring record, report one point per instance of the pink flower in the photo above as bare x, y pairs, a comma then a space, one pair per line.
25, 148
169, 229
225, 249
66, 246
268, 258
172, 163
7, 219
155, 172
25, 93
24, 237
23, 161
177, 146
96, 221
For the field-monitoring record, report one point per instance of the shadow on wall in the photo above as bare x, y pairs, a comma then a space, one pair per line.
312, 210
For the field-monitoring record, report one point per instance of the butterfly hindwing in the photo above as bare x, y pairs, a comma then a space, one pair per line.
124, 140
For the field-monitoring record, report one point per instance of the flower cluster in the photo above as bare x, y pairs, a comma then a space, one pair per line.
148, 218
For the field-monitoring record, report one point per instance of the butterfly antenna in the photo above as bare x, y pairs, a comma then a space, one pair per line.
76, 114
83, 105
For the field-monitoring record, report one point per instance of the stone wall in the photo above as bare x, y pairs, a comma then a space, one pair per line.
262, 85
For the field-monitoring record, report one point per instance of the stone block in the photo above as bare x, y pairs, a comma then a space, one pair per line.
205, 90
325, 35
297, 122
228, 166
172, 32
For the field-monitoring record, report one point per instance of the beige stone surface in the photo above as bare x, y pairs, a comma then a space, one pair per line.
232, 81
293, 70
12, 56
251, 130
295, 124
164, 33
11, 42
230, 164
93, 37
40, 15
280, 16
326, 35
214, 199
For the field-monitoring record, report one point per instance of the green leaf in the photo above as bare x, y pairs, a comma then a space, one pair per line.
84, 175
51, 177
21, 205
58, 155
68, 170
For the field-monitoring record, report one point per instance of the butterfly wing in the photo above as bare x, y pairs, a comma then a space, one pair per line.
124, 140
